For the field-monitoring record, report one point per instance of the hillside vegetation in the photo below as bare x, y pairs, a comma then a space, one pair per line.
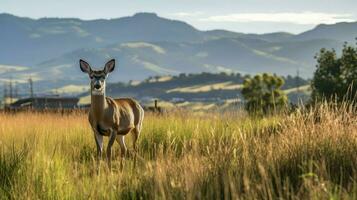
204, 87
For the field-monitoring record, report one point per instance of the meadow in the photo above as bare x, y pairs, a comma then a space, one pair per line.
306, 154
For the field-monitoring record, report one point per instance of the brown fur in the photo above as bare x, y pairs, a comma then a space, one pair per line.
122, 115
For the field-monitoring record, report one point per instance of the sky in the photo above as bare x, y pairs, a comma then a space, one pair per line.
248, 16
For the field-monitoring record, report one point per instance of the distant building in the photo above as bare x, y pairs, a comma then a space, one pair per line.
46, 103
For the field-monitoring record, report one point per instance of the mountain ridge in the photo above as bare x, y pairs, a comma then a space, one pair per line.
146, 44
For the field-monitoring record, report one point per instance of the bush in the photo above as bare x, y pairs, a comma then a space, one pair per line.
263, 94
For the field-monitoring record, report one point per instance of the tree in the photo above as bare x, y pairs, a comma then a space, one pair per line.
263, 94
335, 76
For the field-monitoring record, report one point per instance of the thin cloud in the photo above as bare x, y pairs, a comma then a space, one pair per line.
302, 18
187, 14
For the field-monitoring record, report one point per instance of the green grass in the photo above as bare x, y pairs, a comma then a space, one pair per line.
310, 154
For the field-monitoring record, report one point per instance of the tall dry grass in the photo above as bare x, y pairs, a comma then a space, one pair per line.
310, 154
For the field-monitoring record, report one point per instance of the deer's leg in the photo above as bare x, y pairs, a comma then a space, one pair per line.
113, 135
99, 142
124, 132
121, 141
135, 134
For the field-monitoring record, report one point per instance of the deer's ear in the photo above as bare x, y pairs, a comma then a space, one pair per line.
109, 66
85, 67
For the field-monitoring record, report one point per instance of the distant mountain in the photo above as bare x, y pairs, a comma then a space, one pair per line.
30, 41
138, 60
344, 31
48, 49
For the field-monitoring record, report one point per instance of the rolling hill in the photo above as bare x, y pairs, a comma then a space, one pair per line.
203, 87
145, 44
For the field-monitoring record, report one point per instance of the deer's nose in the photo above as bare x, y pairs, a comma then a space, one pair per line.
97, 86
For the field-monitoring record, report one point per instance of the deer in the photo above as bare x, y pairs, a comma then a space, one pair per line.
113, 118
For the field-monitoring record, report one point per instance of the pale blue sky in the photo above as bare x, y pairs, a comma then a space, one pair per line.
254, 16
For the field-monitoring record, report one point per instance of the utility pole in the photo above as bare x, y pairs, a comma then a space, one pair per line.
16, 90
10, 87
31, 87
5, 94
297, 80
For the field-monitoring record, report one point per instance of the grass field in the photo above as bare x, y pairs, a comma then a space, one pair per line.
304, 155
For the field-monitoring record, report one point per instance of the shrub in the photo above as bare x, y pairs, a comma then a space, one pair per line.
263, 94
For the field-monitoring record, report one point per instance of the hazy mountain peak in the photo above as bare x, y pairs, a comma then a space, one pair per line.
8, 15
146, 15
344, 31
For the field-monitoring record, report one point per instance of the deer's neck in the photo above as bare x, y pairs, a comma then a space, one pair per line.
98, 105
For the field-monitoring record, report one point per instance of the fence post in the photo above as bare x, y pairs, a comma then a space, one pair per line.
155, 104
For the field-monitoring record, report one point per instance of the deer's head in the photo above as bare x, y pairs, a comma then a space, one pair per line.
97, 77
